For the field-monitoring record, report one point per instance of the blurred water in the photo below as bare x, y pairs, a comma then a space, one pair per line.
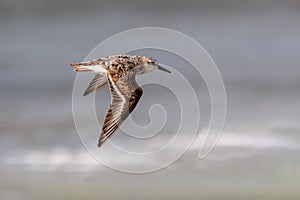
255, 45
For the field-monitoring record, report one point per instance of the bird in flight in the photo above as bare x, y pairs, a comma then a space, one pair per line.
119, 73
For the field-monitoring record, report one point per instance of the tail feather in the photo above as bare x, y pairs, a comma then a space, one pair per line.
80, 67
94, 65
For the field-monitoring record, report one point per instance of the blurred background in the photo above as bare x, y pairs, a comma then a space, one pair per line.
256, 46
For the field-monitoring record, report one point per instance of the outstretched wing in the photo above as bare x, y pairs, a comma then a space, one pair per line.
98, 82
125, 94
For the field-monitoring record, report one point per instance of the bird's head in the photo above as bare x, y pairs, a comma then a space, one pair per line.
151, 64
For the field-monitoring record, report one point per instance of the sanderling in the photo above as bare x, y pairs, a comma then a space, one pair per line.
119, 72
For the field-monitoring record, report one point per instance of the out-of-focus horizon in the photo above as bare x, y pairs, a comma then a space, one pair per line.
255, 45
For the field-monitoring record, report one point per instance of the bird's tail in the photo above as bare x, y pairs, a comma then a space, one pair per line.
85, 66
81, 67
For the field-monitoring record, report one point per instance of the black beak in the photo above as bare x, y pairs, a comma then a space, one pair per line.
163, 69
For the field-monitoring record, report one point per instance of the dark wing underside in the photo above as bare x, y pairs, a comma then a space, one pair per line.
125, 95
98, 82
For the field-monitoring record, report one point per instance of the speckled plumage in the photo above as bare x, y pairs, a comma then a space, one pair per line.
119, 73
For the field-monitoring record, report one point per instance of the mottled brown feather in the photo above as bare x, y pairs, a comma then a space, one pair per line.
125, 94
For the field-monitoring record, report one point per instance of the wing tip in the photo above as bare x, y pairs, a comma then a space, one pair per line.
100, 142
98, 82
85, 93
